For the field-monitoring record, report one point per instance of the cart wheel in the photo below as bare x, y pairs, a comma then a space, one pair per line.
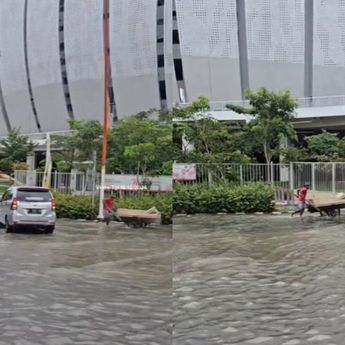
332, 213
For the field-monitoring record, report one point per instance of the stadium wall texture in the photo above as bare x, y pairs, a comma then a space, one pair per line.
161, 52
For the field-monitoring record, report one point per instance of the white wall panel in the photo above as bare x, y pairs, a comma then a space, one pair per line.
12, 67
329, 33
84, 56
329, 47
208, 39
133, 37
3, 129
133, 55
208, 27
275, 30
275, 36
44, 63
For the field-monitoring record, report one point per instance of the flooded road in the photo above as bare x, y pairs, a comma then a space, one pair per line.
259, 280
86, 284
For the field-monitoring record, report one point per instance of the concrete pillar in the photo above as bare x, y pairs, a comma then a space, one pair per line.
313, 185
242, 45
30, 161
73, 182
283, 168
308, 48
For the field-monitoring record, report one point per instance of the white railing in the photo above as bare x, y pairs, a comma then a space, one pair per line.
66, 183
327, 177
304, 102
42, 136
88, 183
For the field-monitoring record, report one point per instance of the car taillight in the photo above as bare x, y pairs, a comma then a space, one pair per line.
53, 204
14, 204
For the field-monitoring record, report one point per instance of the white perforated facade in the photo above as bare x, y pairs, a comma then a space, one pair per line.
276, 30
208, 28
161, 51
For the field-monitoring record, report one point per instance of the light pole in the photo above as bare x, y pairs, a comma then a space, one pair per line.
106, 102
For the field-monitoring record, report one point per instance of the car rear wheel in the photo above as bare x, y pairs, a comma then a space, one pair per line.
50, 229
9, 228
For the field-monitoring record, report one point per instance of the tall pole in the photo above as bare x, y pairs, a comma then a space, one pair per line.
242, 46
106, 110
308, 49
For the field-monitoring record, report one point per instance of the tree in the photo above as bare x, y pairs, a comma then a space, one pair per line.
213, 141
143, 154
294, 154
324, 144
138, 145
79, 146
272, 115
14, 149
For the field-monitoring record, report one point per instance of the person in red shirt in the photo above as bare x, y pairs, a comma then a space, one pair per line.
301, 199
108, 208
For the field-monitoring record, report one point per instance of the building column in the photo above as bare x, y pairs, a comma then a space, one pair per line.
242, 45
308, 48
30, 161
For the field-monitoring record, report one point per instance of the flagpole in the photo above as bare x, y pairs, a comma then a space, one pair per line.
106, 110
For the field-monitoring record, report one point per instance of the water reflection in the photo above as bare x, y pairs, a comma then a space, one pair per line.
259, 280
86, 284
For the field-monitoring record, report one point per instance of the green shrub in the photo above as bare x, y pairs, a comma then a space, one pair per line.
222, 198
80, 207
75, 207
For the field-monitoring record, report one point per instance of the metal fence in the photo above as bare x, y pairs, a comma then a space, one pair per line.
327, 177
89, 183
66, 183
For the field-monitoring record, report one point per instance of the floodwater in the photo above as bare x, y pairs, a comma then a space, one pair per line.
259, 280
86, 284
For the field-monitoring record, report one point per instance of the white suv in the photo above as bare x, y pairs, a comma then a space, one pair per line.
27, 207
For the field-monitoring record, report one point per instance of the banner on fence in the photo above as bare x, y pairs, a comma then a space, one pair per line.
184, 172
135, 183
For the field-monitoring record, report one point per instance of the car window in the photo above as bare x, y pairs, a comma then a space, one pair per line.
33, 195
7, 196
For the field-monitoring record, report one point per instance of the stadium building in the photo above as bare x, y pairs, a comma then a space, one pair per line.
164, 52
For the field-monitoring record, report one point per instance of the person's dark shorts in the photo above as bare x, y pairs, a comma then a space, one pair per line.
301, 205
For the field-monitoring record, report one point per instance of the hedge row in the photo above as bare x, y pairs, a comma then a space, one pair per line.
80, 207
185, 199
75, 207
222, 198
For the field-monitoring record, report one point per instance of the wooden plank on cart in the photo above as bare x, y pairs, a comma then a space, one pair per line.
139, 218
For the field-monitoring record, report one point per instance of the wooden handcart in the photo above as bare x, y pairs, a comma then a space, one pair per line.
138, 218
325, 203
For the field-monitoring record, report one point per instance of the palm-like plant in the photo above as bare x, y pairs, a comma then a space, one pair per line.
14, 149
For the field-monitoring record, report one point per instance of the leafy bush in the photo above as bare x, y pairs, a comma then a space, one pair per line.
75, 207
222, 198
80, 207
